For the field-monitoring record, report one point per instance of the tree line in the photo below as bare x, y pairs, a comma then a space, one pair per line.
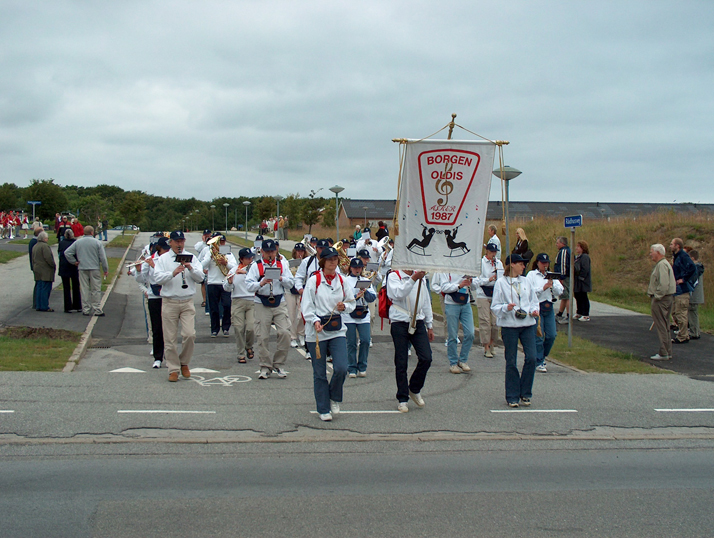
150, 212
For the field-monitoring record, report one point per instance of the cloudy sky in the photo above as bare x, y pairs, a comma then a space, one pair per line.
608, 101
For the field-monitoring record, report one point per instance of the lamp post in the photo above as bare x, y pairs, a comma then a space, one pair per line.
213, 217
226, 204
365, 215
509, 173
246, 204
337, 190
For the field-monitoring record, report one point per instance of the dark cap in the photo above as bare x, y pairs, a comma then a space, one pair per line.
328, 252
245, 253
215, 234
364, 253
269, 245
258, 237
357, 263
492, 247
515, 258
159, 234
299, 246
177, 234
163, 243
313, 239
543, 257
322, 243
223, 237
206, 232
366, 230
330, 241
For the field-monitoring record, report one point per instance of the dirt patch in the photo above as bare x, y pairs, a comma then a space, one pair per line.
39, 332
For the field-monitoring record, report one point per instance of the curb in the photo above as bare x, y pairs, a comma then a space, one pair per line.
81, 348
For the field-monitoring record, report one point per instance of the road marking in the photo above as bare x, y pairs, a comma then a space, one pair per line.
342, 412
534, 410
166, 411
700, 410
127, 370
226, 381
204, 371
7, 410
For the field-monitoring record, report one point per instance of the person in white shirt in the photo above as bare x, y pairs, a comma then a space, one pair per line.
370, 245
212, 260
198, 247
456, 290
243, 306
178, 286
309, 265
548, 290
325, 297
494, 240
516, 307
402, 290
147, 277
297, 326
491, 270
270, 308
358, 321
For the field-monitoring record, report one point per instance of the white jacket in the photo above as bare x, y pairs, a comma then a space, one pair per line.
369, 296
538, 280
402, 291
238, 288
487, 271
278, 287
447, 283
514, 290
215, 276
171, 285
322, 302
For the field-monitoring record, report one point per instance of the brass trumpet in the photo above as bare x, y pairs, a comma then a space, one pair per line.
344, 259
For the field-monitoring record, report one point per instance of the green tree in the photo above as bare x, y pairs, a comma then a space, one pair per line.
265, 208
10, 197
311, 210
53, 198
133, 207
92, 208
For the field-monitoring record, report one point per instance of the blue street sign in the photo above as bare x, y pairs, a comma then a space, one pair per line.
35, 203
574, 221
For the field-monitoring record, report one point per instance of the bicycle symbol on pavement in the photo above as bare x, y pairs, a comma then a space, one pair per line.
226, 381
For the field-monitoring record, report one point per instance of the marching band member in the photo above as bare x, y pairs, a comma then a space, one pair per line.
371, 245
402, 290
516, 307
243, 306
386, 261
178, 286
270, 308
147, 276
358, 322
25, 225
457, 309
216, 266
325, 298
547, 290
309, 265
198, 247
491, 270
297, 325
256, 250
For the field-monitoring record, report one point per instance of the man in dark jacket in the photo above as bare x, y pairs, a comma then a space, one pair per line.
684, 270
32, 243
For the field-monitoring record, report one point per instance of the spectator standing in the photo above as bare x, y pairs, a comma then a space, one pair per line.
105, 229
696, 298
562, 266
69, 274
36, 231
64, 225
493, 239
382, 231
77, 227
357, 235
44, 267
583, 281
661, 289
88, 255
684, 272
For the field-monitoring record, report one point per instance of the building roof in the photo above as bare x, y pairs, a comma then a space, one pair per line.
589, 210
376, 209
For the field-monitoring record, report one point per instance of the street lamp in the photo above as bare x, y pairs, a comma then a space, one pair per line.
337, 190
213, 217
226, 204
509, 173
246, 204
365, 215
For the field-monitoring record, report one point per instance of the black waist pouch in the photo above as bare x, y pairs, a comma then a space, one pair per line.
330, 323
270, 302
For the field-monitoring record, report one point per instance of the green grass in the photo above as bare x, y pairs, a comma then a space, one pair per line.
122, 241
240, 241
51, 240
7, 255
113, 266
38, 350
590, 357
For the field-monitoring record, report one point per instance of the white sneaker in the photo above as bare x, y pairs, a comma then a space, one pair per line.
157, 364
208, 313
465, 367
334, 407
658, 357
409, 353
151, 353
417, 399
326, 417
488, 354
264, 373
454, 369
370, 343
293, 343
446, 344
362, 374
282, 374
541, 368
353, 376
403, 407
301, 339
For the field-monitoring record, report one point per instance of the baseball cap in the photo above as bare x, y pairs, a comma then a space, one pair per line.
313, 239
206, 232
364, 253
356, 262
268, 245
515, 258
322, 243
163, 243
245, 253
299, 246
328, 252
492, 247
258, 237
543, 258
176, 235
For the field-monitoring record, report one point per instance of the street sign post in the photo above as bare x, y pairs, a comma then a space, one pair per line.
572, 222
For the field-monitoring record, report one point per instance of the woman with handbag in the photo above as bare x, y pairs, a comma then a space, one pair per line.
547, 290
357, 321
583, 281
324, 299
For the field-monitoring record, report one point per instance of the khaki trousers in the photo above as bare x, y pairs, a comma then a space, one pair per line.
264, 316
487, 329
243, 322
175, 313
694, 321
681, 316
90, 285
661, 310
297, 325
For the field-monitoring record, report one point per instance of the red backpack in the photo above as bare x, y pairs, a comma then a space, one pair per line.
384, 301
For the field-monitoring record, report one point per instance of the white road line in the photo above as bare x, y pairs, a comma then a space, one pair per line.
534, 410
165, 411
342, 412
7, 410
700, 410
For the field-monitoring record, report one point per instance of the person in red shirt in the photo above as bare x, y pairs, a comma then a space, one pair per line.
77, 227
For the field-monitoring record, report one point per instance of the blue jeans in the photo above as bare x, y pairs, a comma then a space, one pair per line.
456, 313
324, 391
420, 341
357, 363
547, 325
104, 233
42, 298
219, 303
519, 386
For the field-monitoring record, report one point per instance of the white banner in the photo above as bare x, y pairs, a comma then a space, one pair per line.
443, 198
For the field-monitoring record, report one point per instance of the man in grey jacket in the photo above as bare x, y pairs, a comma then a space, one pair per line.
89, 256
661, 290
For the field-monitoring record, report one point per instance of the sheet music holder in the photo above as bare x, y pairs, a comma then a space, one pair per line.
362, 284
184, 258
372, 266
294, 263
224, 249
273, 273
352, 252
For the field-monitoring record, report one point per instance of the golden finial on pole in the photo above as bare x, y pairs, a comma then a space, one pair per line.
451, 126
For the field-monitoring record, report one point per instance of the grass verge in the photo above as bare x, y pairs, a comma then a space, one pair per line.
590, 357
51, 240
7, 255
36, 349
240, 241
122, 241
113, 266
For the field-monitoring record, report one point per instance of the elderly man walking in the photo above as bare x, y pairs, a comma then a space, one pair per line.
661, 289
44, 267
88, 255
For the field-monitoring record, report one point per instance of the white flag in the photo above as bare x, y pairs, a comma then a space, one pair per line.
443, 199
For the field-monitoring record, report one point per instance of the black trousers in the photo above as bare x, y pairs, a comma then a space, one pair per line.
420, 343
72, 296
157, 329
217, 296
582, 302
